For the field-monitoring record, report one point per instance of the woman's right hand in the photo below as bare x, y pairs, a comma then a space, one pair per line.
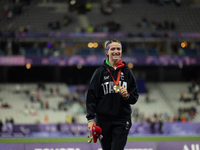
91, 123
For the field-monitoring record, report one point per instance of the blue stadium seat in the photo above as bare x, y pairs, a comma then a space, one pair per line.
152, 52
139, 52
84, 52
30, 52
190, 52
33, 52
98, 51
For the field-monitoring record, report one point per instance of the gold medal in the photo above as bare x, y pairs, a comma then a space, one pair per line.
116, 88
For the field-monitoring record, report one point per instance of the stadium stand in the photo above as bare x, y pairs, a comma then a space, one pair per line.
173, 98
164, 100
130, 14
37, 15
26, 110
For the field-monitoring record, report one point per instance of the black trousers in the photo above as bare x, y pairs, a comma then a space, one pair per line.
114, 133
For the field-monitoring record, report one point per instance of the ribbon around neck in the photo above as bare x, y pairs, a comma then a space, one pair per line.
118, 76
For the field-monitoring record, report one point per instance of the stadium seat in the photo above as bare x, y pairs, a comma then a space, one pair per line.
190, 52
139, 52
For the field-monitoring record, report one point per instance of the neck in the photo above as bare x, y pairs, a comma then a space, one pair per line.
114, 63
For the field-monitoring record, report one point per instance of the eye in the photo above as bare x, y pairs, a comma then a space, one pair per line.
112, 49
118, 49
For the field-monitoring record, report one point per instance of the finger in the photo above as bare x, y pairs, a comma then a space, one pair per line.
121, 88
90, 130
123, 92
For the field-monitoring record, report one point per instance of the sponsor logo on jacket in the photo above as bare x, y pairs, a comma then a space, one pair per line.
106, 77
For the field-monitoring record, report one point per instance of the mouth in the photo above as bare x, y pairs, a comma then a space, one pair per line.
116, 54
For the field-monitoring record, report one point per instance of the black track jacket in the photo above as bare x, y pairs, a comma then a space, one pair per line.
103, 102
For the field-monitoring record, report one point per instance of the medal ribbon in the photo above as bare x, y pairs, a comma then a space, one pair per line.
118, 76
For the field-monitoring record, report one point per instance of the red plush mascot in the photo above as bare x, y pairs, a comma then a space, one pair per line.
96, 133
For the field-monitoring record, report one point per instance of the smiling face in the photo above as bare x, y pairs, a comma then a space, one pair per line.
114, 52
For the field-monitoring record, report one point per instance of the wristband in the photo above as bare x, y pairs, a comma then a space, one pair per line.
125, 98
90, 120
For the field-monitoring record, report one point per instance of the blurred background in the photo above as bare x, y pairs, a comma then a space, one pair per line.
49, 50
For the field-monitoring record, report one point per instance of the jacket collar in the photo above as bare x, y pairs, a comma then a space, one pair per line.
120, 64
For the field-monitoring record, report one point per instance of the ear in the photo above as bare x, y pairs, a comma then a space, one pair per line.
106, 52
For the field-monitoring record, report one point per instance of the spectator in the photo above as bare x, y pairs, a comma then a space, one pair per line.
5, 105
66, 20
51, 91
1, 125
112, 26
7, 127
32, 111
18, 88
46, 119
73, 119
192, 112
32, 98
68, 119
57, 90
26, 111
153, 121
41, 104
12, 121
144, 23
181, 97
149, 98
166, 25
198, 98
38, 95
196, 90
46, 105
58, 127
54, 25
10, 15
80, 108
106, 10
160, 123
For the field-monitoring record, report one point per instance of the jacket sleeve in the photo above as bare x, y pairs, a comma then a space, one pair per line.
133, 91
92, 95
